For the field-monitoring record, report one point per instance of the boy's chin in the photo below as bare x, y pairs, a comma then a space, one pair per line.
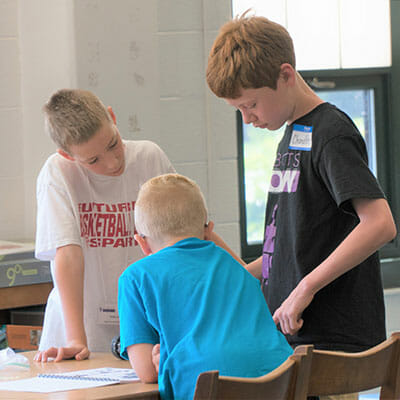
117, 172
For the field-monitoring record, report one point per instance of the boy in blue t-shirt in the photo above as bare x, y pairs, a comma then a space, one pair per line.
189, 307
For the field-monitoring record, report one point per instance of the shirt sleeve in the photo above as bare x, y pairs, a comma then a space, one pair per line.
166, 164
56, 223
344, 168
134, 325
157, 161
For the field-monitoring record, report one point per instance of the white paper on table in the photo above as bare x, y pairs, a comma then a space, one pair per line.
84, 379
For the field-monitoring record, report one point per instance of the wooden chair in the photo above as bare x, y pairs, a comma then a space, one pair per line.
333, 373
279, 384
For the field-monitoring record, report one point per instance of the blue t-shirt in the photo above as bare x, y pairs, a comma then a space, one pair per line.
206, 311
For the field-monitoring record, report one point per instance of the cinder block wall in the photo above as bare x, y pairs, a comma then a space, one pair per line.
11, 140
147, 60
36, 58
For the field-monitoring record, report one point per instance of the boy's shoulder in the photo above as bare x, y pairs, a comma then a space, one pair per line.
171, 259
145, 152
166, 254
325, 113
142, 147
328, 122
54, 166
141, 268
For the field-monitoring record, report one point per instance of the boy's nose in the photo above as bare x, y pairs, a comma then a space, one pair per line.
247, 117
112, 162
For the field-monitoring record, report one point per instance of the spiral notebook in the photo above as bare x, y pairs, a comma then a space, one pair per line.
84, 379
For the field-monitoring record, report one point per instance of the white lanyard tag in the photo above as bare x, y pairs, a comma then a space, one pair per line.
108, 315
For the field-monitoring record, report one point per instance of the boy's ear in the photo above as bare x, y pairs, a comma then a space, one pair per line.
287, 72
112, 114
63, 153
208, 229
143, 244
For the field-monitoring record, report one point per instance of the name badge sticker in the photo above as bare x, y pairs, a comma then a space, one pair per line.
301, 138
108, 315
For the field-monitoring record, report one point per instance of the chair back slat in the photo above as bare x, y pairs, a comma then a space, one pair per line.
311, 372
391, 390
277, 387
207, 385
279, 384
334, 372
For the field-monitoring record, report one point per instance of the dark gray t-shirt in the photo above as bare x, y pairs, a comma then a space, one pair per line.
321, 165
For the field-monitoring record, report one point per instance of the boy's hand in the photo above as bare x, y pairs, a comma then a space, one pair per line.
79, 352
155, 356
288, 315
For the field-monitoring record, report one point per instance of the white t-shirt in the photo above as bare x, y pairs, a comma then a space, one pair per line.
77, 206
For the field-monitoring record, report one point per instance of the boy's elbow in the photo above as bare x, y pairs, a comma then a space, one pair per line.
389, 230
148, 377
393, 231
141, 361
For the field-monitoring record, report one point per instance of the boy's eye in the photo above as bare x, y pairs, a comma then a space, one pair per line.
114, 144
92, 161
253, 105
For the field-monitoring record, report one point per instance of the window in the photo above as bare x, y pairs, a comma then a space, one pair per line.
344, 36
369, 95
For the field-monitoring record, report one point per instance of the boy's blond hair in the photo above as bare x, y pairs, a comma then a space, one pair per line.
73, 116
247, 54
170, 206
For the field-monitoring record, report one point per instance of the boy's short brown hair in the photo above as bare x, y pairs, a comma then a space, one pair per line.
73, 116
170, 206
247, 54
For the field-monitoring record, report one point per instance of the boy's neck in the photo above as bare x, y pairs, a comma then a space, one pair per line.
170, 242
307, 99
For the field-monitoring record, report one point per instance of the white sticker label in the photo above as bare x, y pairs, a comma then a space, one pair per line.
301, 138
108, 315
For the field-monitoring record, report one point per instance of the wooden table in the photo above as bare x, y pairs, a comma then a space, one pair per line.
133, 390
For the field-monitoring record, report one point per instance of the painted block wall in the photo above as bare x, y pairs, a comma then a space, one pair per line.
36, 58
11, 138
145, 59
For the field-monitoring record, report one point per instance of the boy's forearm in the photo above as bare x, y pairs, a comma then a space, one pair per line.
69, 275
141, 359
255, 267
220, 242
376, 227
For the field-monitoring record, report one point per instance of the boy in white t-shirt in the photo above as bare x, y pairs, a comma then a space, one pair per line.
86, 194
